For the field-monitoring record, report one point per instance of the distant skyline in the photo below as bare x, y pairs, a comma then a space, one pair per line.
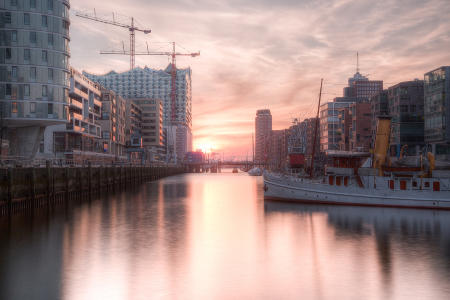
267, 54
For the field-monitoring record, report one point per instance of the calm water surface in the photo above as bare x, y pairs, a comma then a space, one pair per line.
212, 236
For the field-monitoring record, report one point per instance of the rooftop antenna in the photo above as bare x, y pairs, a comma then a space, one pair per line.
357, 63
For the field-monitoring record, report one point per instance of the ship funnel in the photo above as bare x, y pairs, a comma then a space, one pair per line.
382, 141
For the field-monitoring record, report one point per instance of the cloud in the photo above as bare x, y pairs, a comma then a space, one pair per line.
263, 53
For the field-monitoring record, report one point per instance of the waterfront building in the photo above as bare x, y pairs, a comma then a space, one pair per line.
34, 70
406, 106
150, 122
276, 146
379, 107
330, 134
79, 138
359, 129
133, 119
345, 122
151, 83
437, 110
263, 126
112, 124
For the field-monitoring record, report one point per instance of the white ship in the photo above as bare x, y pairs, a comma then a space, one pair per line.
362, 178
255, 172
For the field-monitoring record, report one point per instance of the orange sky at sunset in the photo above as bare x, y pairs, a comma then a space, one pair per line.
257, 54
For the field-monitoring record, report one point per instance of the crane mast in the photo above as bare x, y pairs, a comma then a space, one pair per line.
131, 28
173, 91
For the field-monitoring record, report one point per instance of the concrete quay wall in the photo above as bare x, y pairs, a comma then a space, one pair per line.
30, 187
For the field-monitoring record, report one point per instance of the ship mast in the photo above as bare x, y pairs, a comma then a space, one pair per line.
315, 132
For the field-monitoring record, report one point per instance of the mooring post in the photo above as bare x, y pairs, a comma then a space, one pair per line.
90, 178
114, 176
9, 186
47, 168
67, 183
80, 181
32, 186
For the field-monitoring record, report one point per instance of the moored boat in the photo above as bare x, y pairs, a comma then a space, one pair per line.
362, 178
235, 170
255, 172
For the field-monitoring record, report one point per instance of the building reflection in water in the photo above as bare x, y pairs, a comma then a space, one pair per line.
395, 248
212, 236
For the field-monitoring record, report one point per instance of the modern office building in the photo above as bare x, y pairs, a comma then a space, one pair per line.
406, 106
78, 139
152, 121
330, 133
437, 110
361, 86
151, 83
34, 69
263, 126
133, 119
112, 123
379, 107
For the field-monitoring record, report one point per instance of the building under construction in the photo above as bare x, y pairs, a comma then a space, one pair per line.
151, 83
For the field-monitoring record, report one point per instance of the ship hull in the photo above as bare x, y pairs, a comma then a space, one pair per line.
288, 190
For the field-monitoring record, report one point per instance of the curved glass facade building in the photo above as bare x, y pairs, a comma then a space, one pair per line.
34, 69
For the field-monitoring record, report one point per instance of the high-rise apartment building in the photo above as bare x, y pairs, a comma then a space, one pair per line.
112, 123
34, 69
263, 126
437, 109
406, 106
78, 139
152, 83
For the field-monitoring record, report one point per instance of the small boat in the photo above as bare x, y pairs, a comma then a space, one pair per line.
235, 170
255, 172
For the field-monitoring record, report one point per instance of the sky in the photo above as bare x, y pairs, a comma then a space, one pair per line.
268, 54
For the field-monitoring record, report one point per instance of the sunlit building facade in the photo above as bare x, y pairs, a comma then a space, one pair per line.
34, 69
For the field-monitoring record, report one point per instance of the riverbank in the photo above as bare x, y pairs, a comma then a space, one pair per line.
22, 188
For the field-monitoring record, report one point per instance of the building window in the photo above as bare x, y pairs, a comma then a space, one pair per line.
50, 74
33, 37
50, 108
8, 90
26, 19
50, 39
32, 107
14, 72
26, 90
105, 134
8, 53
50, 4
8, 18
33, 3
403, 108
14, 107
44, 21
44, 56
412, 108
26, 54
14, 36
32, 72
44, 91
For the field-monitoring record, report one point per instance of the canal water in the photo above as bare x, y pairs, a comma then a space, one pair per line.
212, 236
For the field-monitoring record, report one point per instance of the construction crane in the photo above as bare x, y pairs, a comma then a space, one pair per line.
131, 28
173, 72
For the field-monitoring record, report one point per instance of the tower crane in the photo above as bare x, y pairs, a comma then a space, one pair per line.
131, 28
173, 92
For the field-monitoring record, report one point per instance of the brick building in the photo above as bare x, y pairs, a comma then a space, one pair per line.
345, 121
359, 130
